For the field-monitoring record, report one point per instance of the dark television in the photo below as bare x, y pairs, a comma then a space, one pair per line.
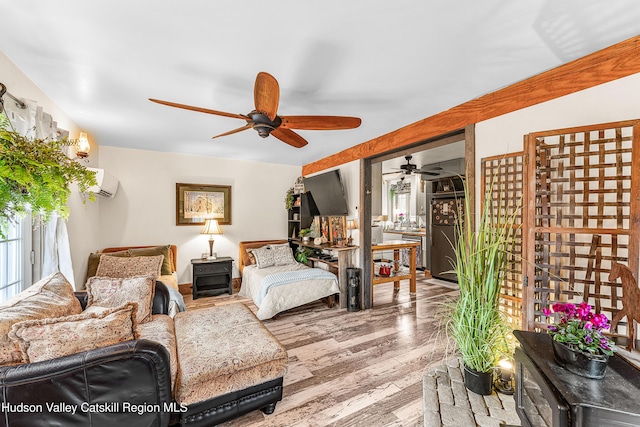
326, 194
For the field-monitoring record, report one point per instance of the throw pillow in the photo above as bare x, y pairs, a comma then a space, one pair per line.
279, 245
282, 255
164, 250
264, 257
252, 258
45, 339
50, 297
129, 267
114, 292
94, 260
248, 257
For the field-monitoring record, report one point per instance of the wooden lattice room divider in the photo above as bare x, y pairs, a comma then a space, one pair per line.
583, 212
502, 179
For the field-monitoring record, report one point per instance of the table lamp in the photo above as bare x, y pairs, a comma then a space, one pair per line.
352, 224
211, 227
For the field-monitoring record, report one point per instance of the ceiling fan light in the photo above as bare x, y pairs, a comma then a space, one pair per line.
263, 129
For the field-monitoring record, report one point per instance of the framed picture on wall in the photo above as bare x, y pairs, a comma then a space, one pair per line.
325, 227
338, 228
195, 203
334, 229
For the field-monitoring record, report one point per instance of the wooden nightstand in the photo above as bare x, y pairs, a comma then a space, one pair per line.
212, 276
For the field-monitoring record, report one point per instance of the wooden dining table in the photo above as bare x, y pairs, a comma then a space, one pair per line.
396, 274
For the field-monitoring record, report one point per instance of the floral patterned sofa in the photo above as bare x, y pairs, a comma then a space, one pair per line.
111, 355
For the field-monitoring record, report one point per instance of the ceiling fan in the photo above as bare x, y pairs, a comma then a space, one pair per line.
409, 168
265, 120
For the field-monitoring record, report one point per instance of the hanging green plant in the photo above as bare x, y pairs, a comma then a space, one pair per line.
35, 175
289, 200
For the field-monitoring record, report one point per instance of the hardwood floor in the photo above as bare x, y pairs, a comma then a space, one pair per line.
354, 368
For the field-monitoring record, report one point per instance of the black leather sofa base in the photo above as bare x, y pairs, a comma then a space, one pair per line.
133, 371
233, 405
137, 372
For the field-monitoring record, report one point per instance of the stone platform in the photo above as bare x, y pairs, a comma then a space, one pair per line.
447, 402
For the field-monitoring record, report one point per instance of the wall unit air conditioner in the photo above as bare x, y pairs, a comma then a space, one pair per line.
107, 184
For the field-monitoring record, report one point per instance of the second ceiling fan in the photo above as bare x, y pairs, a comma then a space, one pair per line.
265, 119
409, 168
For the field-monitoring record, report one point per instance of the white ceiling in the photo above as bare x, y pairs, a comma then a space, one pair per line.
389, 62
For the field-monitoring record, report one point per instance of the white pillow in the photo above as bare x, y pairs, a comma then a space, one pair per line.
264, 257
282, 255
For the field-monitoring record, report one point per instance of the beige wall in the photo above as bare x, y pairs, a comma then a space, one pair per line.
143, 211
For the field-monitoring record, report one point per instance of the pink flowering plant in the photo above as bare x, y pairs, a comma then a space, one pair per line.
580, 328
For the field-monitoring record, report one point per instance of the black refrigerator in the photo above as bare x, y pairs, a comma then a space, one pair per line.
444, 234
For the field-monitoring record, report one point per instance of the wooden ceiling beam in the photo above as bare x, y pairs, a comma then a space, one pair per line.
611, 63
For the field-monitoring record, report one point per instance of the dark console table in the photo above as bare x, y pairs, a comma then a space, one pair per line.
549, 395
212, 276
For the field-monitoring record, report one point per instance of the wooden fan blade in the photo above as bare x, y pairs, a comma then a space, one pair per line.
266, 94
199, 109
289, 137
231, 132
320, 122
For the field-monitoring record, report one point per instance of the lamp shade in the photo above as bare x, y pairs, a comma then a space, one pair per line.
211, 227
82, 146
352, 224
83, 143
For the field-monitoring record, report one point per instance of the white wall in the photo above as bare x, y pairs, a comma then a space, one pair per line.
83, 220
143, 211
610, 102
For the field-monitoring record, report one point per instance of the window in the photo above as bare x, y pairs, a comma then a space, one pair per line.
15, 259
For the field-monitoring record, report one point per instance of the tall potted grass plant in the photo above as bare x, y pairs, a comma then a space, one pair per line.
476, 323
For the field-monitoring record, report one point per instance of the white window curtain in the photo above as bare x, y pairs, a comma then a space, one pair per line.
57, 253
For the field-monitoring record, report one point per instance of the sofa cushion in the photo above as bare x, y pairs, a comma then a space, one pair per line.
44, 339
160, 329
251, 257
94, 260
50, 297
223, 349
113, 292
164, 250
110, 266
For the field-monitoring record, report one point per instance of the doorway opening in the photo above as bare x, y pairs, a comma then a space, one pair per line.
429, 152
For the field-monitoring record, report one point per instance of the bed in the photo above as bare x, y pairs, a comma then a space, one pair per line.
277, 288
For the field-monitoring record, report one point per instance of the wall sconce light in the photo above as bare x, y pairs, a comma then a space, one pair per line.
82, 146
504, 377
211, 227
